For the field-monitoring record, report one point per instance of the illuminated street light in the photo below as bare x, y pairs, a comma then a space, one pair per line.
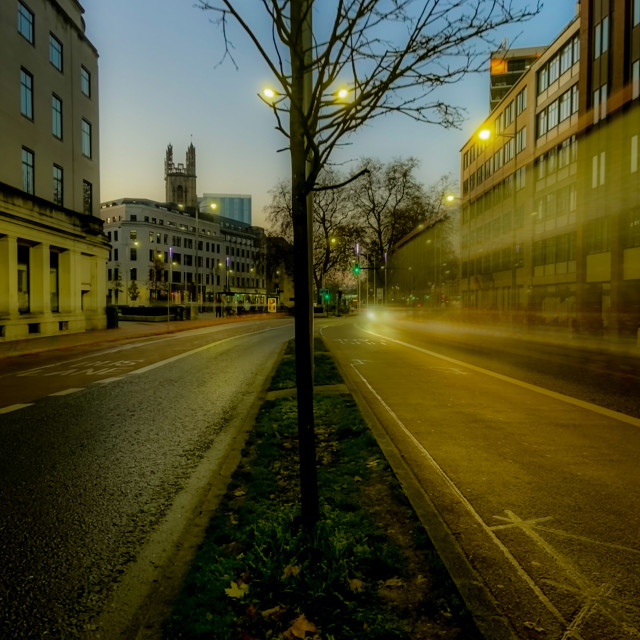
484, 134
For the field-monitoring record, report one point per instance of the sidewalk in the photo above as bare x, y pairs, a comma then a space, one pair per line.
126, 330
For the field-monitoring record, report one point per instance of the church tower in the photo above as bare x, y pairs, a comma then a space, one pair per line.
180, 179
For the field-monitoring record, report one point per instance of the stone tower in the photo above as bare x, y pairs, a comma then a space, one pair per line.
180, 180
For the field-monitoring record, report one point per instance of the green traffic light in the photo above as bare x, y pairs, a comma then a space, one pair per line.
356, 269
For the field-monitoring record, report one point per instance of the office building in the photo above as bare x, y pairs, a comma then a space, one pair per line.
52, 248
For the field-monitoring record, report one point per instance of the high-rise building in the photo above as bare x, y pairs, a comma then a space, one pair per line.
506, 66
52, 249
550, 203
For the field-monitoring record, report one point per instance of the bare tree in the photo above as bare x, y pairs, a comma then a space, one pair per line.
392, 56
334, 228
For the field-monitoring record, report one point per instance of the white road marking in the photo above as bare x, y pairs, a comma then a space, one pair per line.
14, 407
616, 415
468, 506
66, 392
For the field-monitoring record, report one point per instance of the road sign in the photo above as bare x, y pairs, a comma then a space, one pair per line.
272, 304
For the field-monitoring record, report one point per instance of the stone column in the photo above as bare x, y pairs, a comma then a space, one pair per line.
9, 279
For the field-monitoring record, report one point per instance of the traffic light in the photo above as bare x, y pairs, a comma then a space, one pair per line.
327, 295
356, 269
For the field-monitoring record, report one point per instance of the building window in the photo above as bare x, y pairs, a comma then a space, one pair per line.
87, 197
543, 79
566, 58
23, 279
552, 115
565, 105
635, 76
636, 12
26, 94
634, 154
601, 38
86, 138
133, 273
54, 260
521, 139
133, 254
542, 123
56, 116
521, 101
28, 171
574, 99
85, 82
58, 185
598, 165
554, 69
55, 52
26, 22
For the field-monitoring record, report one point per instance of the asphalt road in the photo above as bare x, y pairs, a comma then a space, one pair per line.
538, 486
105, 452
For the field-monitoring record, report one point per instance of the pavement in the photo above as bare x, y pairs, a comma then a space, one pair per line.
126, 330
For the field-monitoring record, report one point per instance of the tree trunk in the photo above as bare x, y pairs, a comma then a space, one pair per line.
302, 210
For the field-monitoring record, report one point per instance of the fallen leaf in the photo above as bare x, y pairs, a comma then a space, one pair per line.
394, 583
240, 492
290, 570
237, 591
299, 629
275, 613
356, 584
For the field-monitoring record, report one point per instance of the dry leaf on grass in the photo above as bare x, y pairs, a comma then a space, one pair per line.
290, 570
236, 590
355, 584
300, 628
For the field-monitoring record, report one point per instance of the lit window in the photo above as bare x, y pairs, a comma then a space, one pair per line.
26, 94
55, 52
86, 138
85, 82
634, 154
56, 116
25, 22
635, 76
58, 184
28, 171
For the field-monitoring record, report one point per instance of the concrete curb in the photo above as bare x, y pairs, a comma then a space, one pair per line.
490, 620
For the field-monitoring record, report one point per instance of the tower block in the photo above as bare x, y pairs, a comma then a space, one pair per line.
180, 180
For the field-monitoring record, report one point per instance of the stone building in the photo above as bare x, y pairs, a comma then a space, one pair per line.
52, 249
189, 251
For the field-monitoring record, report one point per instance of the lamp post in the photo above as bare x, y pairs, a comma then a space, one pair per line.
169, 285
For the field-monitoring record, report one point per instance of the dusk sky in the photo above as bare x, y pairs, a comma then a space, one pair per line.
160, 83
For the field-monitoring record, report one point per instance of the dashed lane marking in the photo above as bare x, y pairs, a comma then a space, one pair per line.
66, 392
14, 407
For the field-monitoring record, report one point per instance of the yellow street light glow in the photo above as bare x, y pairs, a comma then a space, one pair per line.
213, 205
343, 93
450, 198
269, 93
484, 134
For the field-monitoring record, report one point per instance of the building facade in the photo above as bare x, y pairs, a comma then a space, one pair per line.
550, 198
506, 66
52, 249
179, 253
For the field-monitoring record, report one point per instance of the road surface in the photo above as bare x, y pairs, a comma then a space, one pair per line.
538, 486
105, 454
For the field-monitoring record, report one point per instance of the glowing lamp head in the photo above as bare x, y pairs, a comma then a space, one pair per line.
484, 134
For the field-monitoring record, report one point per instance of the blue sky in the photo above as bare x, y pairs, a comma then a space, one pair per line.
161, 82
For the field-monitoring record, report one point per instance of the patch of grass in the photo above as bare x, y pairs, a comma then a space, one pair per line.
367, 570
325, 371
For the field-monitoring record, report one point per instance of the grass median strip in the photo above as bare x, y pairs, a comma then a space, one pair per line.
368, 570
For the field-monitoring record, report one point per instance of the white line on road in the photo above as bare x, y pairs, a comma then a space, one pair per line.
616, 415
206, 346
14, 407
467, 505
66, 392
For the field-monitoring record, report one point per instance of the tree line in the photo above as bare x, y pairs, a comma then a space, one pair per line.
362, 220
